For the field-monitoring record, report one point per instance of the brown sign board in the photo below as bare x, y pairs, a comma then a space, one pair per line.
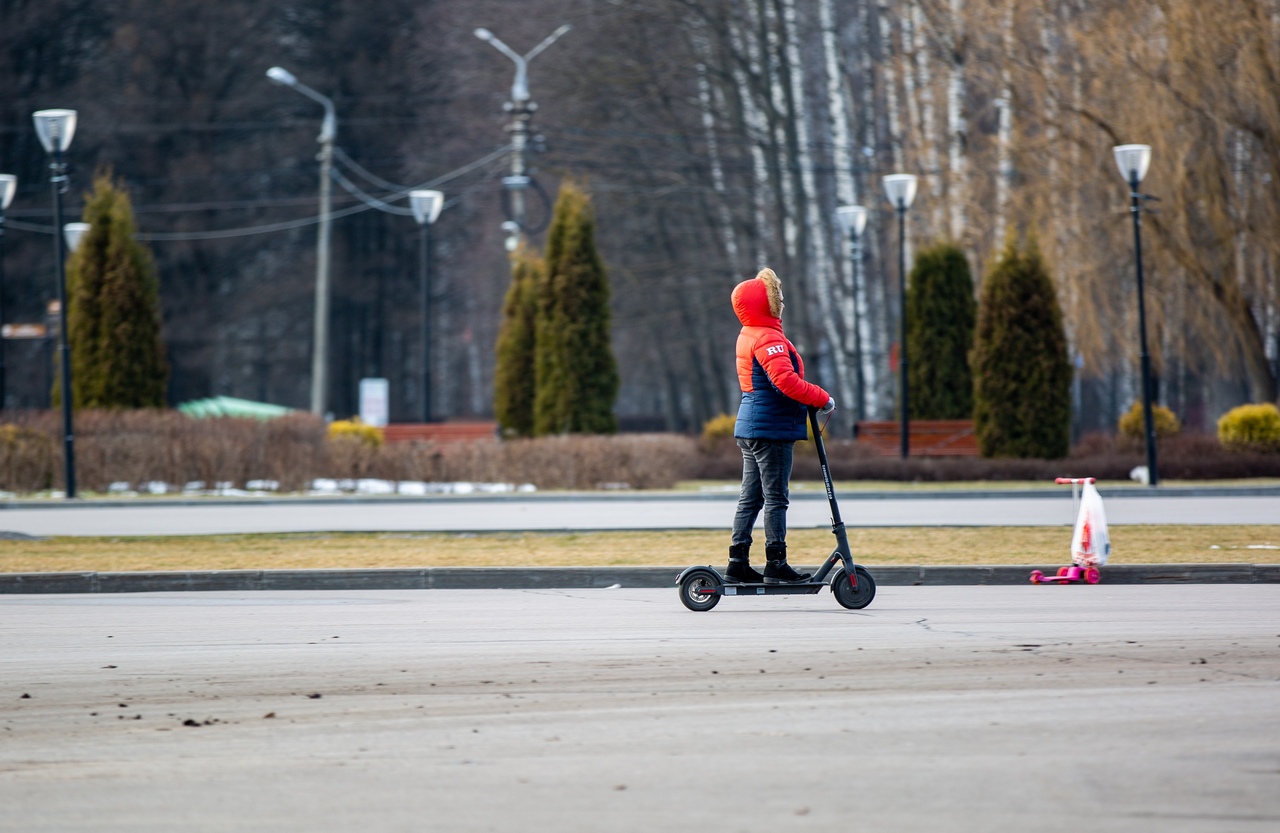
24, 331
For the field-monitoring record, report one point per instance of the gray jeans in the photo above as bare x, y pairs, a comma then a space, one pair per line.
766, 474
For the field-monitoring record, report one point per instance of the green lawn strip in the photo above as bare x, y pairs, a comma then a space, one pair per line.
1164, 544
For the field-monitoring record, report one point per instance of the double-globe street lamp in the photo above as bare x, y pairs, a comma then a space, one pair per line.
901, 191
328, 130
853, 220
1133, 161
426, 208
56, 128
8, 185
521, 109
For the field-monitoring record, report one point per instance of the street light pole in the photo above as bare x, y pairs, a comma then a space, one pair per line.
853, 218
901, 191
56, 128
328, 130
8, 184
521, 109
426, 208
1133, 161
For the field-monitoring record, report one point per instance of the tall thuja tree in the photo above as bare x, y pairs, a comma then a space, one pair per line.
576, 373
113, 309
1021, 375
513, 377
940, 321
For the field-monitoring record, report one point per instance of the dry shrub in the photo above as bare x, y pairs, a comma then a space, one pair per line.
28, 458
1181, 457
140, 446
641, 461
1251, 428
1164, 421
354, 429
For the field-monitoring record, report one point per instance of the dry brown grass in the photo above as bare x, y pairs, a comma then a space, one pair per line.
880, 546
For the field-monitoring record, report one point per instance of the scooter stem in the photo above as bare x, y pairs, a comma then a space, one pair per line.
826, 470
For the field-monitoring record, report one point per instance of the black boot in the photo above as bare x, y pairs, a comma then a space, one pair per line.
740, 571
777, 570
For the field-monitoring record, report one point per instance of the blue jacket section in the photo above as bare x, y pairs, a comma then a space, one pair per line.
766, 413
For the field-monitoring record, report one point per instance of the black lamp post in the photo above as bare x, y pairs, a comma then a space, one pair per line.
56, 129
8, 185
426, 208
1133, 161
901, 191
853, 219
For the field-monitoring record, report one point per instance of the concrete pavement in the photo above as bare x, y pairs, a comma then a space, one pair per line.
937, 708
594, 512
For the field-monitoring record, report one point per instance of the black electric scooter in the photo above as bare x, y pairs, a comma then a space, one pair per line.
853, 587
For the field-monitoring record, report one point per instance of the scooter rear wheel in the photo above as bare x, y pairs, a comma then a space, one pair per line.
692, 583
849, 597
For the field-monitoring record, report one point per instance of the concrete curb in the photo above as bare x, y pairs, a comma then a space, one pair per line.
532, 578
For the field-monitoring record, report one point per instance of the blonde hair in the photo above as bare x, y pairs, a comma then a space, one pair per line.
774, 287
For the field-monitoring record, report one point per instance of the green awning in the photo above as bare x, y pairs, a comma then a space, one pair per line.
229, 406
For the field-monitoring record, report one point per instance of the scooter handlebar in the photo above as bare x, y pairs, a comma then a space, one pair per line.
1064, 480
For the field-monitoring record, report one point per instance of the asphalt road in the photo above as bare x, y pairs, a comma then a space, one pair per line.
599, 513
937, 708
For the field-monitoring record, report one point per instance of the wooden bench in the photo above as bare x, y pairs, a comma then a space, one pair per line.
439, 432
929, 437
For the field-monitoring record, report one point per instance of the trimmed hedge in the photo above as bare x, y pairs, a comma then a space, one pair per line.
941, 313
1021, 375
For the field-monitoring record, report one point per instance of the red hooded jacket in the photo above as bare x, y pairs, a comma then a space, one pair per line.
775, 395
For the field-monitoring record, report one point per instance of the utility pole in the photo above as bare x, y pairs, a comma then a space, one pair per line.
328, 131
521, 108
8, 185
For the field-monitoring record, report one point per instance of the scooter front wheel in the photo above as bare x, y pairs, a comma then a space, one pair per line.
849, 596
692, 589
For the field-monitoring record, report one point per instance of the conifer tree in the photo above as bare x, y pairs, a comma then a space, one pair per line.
513, 377
113, 309
576, 373
1022, 377
940, 321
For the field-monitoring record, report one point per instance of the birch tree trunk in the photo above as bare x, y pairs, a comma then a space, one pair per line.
957, 127
705, 104
757, 135
817, 228
889, 67
1004, 128
928, 119
846, 194
867, 331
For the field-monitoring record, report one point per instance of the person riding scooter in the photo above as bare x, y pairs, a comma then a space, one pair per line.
771, 418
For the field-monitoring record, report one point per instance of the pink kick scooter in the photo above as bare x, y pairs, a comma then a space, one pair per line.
1085, 569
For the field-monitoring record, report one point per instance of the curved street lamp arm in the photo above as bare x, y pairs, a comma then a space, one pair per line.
550, 39
328, 128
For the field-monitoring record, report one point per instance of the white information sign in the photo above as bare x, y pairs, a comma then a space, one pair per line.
375, 402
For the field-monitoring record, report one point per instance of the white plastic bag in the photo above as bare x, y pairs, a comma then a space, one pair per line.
1090, 543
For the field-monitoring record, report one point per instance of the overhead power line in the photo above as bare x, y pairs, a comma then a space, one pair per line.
368, 202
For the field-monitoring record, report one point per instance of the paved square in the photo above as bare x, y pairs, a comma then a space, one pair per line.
935, 709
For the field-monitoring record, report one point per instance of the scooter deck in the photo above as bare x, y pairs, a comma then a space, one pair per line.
754, 589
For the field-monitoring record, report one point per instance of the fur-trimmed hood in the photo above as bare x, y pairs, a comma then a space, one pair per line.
758, 301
